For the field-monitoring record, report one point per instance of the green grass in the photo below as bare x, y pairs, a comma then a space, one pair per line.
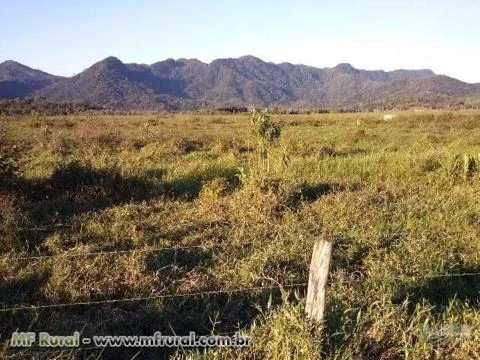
398, 197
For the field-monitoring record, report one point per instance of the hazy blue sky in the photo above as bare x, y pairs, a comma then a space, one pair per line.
64, 36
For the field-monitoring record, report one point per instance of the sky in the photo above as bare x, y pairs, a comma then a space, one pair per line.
64, 37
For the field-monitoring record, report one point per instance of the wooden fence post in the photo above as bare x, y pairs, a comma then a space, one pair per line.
317, 279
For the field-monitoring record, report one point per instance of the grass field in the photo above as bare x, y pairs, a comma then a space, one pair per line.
400, 198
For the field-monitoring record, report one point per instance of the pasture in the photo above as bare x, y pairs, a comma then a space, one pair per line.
96, 208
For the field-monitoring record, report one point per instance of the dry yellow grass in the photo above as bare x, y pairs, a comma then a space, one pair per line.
398, 197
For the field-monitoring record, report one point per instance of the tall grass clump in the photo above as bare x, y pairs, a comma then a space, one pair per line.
464, 166
267, 133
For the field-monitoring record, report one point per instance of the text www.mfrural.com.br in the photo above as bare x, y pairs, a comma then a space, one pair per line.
44, 339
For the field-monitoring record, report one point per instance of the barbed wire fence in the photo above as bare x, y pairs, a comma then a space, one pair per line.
155, 297
12, 308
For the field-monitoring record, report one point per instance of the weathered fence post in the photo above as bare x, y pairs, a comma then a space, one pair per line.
317, 279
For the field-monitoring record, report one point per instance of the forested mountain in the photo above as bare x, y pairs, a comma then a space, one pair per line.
245, 81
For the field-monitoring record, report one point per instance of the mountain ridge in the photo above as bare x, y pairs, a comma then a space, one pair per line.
245, 81
18, 80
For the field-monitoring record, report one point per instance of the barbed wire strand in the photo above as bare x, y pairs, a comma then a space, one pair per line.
115, 252
412, 277
146, 298
445, 275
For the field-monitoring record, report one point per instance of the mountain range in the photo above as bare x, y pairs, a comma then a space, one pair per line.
245, 81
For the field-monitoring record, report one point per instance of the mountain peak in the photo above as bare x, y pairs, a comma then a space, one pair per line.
111, 60
9, 63
346, 68
14, 70
109, 64
13, 65
192, 61
422, 73
250, 58
18, 80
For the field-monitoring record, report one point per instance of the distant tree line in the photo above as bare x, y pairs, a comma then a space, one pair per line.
28, 106
277, 110
40, 106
